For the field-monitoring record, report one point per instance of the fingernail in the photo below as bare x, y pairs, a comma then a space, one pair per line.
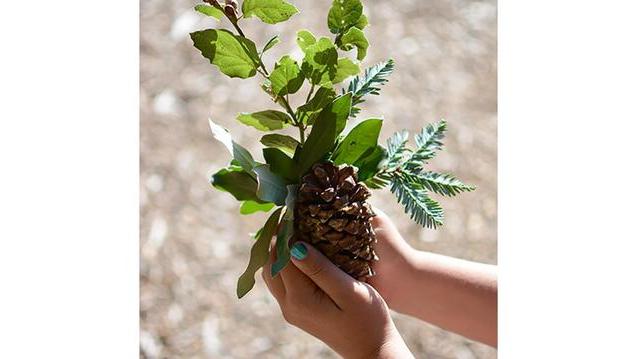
299, 251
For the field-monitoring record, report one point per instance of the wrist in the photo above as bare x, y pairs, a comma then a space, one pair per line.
393, 347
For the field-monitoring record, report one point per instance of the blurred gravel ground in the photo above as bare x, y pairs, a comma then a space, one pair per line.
194, 244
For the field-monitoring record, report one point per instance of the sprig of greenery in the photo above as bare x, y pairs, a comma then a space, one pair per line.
403, 168
369, 83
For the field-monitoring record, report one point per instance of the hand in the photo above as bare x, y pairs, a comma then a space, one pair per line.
396, 257
347, 315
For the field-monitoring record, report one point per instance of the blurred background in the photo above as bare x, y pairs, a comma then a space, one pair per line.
194, 243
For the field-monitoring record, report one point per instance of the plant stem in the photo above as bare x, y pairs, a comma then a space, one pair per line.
264, 72
310, 94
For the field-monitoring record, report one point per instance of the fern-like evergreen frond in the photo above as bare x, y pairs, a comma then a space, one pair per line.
369, 83
429, 140
422, 209
442, 184
396, 149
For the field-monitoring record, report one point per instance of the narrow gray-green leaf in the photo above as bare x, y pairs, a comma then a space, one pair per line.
209, 11
270, 187
286, 78
258, 254
355, 37
249, 207
269, 11
282, 245
285, 143
359, 140
269, 120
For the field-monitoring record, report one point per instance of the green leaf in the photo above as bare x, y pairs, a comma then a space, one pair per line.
345, 69
269, 11
271, 43
344, 14
258, 254
281, 164
268, 120
285, 143
422, 209
369, 83
328, 125
270, 187
369, 164
322, 97
286, 78
359, 140
442, 184
237, 182
240, 155
362, 22
282, 246
235, 56
304, 38
209, 11
285, 233
355, 37
320, 62
249, 207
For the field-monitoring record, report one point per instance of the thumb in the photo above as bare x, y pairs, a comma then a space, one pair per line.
327, 276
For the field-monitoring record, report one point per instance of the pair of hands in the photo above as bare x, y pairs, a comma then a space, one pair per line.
348, 315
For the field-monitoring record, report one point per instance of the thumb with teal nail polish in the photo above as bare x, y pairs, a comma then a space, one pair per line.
299, 251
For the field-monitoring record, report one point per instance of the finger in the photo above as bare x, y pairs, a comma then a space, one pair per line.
275, 285
337, 284
296, 283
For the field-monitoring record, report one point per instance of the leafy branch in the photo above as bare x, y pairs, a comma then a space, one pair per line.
369, 83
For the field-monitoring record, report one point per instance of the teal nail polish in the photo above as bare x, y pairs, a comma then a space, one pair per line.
299, 251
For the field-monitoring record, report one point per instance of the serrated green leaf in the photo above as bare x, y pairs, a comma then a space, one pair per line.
286, 78
355, 37
362, 22
328, 125
360, 140
369, 163
237, 182
281, 164
345, 69
271, 43
322, 97
235, 56
285, 143
305, 38
269, 11
344, 14
429, 141
268, 120
258, 254
209, 11
320, 62
249, 207
270, 187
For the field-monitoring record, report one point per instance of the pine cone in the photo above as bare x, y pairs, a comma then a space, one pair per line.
332, 214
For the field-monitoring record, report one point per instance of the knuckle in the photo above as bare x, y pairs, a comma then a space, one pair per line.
315, 271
